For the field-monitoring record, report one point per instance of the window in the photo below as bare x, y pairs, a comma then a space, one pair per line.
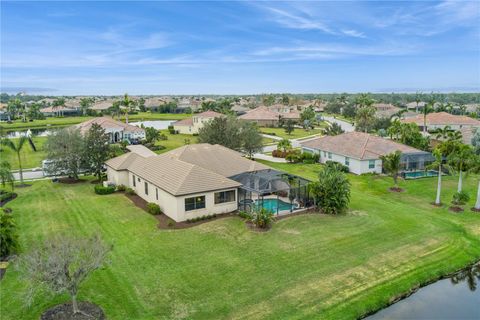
347, 161
325, 154
371, 164
194, 203
156, 193
329, 155
138, 179
134, 184
146, 188
224, 196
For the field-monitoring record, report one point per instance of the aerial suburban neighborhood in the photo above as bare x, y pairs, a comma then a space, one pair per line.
240, 160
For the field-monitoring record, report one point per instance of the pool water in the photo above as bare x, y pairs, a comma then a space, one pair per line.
272, 205
420, 174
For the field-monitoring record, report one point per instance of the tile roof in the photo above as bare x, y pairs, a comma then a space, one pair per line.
358, 145
107, 123
55, 109
141, 150
185, 122
442, 118
260, 113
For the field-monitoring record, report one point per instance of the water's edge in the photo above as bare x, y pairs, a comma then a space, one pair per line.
416, 288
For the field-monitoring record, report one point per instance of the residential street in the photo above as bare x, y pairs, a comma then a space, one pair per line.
347, 127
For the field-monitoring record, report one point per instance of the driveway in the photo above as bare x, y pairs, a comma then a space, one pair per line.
346, 126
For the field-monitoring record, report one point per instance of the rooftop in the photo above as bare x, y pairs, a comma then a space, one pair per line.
107, 123
442, 118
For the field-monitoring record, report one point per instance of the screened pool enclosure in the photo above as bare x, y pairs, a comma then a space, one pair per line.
415, 161
276, 191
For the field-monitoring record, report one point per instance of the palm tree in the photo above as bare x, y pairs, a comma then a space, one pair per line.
437, 165
391, 165
461, 160
333, 129
127, 103
476, 169
426, 110
443, 134
417, 100
284, 144
6, 174
395, 129
17, 146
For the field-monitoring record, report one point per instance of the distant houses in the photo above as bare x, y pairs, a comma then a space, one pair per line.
361, 152
440, 120
271, 116
196, 122
117, 130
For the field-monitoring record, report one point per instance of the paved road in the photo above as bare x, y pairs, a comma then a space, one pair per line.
346, 126
29, 175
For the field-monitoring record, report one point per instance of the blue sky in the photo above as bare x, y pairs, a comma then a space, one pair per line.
239, 47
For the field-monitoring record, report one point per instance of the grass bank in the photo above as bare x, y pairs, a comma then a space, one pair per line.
29, 158
311, 266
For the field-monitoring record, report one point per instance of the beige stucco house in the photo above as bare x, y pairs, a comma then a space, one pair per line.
117, 130
440, 120
194, 124
188, 182
361, 152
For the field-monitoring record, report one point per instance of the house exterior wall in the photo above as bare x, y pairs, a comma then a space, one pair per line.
198, 123
184, 129
356, 166
452, 126
172, 206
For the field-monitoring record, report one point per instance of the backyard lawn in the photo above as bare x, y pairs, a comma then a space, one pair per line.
310, 266
30, 159
297, 133
67, 121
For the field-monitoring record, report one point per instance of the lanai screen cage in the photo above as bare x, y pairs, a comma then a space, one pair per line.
276, 191
415, 161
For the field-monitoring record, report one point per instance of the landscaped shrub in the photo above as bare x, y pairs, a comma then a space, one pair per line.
262, 218
310, 158
6, 195
196, 219
8, 235
99, 189
153, 208
172, 130
294, 156
121, 188
336, 166
245, 215
130, 191
460, 198
332, 191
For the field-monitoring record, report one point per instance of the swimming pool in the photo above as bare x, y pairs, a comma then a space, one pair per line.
272, 205
420, 174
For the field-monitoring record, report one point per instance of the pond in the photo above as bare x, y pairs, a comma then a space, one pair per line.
35, 132
157, 124
457, 297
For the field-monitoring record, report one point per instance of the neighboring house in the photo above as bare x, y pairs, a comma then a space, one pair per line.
117, 130
361, 152
385, 110
202, 179
413, 105
270, 116
468, 133
196, 122
58, 111
439, 120
186, 103
102, 105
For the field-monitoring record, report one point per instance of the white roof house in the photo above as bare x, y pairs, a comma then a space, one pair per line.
361, 152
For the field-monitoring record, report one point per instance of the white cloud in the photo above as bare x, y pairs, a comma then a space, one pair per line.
353, 33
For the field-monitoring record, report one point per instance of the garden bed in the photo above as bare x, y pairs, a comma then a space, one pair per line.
455, 209
64, 311
4, 202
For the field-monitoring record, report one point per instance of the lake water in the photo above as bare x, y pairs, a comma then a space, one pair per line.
34, 132
157, 124
453, 298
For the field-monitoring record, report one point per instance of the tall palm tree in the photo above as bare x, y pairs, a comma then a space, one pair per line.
17, 146
426, 110
395, 129
437, 165
418, 99
128, 104
476, 169
6, 174
462, 160
443, 134
391, 165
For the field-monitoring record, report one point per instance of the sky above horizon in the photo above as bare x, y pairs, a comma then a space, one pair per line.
90, 47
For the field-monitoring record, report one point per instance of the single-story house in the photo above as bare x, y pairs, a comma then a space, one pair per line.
270, 116
440, 120
102, 105
58, 111
196, 122
203, 179
361, 152
385, 110
117, 130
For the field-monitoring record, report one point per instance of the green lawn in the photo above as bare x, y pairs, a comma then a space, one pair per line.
297, 133
29, 158
175, 141
66, 121
311, 266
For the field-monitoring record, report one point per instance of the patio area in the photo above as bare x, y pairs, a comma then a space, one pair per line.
278, 192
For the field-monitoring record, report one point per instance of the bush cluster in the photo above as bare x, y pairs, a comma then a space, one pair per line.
296, 156
9, 243
153, 208
207, 217
270, 133
121, 188
172, 130
130, 191
460, 198
99, 189
337, 166
6, 195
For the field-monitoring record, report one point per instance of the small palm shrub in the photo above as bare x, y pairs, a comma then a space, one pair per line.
121, 188
261, 218
460, 198
332, 191
99, 189
153, 208
337, 166
294, 156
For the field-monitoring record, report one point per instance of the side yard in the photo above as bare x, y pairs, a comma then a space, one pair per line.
30, 159
307, 266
